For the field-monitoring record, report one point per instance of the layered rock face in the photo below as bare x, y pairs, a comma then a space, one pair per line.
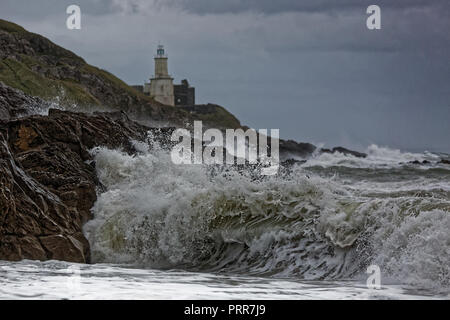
47, 182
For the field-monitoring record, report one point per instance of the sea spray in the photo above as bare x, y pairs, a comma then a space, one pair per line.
301, 225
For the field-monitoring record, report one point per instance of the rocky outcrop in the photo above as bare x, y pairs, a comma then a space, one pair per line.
290, 149
344, 151
48, 182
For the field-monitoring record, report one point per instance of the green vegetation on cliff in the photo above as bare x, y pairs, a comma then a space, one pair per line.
19, 74
39, 67
11, 27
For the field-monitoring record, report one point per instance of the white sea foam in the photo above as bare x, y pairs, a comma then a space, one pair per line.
53, 280
159, 215
377, 157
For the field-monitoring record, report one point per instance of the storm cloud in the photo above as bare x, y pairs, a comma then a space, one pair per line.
310, 68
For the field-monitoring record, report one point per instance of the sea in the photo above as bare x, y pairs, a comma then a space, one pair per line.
315, 230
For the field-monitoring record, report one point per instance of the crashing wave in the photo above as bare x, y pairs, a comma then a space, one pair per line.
161, 215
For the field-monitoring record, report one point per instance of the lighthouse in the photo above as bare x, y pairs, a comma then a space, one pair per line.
161, 85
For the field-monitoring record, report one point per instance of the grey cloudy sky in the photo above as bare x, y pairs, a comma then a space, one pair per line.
308, 67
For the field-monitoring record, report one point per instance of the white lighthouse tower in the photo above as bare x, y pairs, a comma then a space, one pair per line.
161, 85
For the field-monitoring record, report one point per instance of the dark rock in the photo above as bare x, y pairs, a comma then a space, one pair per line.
291, 162
47, 187
419, 162
444, 161
344, 151
290, 149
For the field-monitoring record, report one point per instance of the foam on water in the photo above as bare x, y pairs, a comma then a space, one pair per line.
63, 280
377, 157
300, 225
